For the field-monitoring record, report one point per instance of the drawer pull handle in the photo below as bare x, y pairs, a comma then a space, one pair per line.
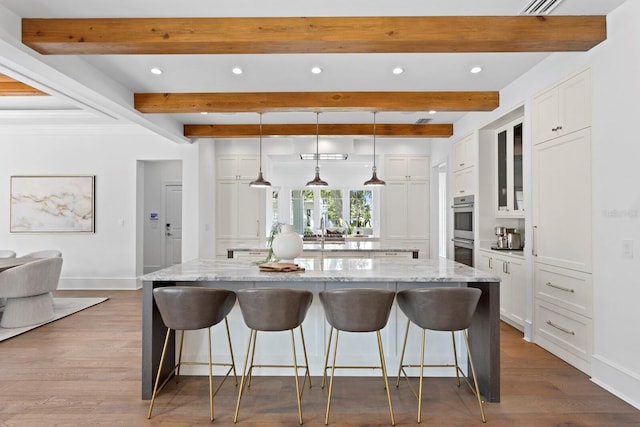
565, 330
551, 285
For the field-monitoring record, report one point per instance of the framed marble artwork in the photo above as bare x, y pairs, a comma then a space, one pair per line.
52, 204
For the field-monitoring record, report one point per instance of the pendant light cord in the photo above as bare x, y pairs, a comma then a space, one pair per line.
260, 142
317, 138
374, 140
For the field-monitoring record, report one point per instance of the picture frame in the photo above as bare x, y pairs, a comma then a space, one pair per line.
52, 204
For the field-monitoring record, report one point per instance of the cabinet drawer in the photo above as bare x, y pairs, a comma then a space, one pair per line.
568, 331
569, 289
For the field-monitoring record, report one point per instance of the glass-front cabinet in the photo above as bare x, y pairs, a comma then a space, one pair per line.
509, 196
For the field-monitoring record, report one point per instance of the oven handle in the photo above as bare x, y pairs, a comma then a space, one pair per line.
462, 205
464, 243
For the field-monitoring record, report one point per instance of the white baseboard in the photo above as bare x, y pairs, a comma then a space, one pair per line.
99, 283
616, 379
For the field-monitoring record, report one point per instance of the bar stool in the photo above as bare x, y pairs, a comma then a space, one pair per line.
356, 310
185, 308
272, 310
439, 309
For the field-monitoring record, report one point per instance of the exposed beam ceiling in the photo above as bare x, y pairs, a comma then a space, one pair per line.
11, 87
382, 130
371, 34
228, 102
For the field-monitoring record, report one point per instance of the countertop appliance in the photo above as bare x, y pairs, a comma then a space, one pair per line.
507, 239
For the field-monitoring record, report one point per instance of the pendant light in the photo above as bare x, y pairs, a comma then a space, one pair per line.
260, 182
317, 181
374, 181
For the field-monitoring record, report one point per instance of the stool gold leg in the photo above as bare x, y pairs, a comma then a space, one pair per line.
404, 347
326, 359
244, 375
455, 357
384, 376
179, 357
253, 353
306, 360
475, 380
233, 362
421, 376
295, 373
210, 377
155, 387
333, 368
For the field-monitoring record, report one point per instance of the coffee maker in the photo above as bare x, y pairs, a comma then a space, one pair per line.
508, 238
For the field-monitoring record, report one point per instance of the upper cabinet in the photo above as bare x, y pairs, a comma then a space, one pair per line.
463, 153
463, 170
562, 109
238, 167
509, 198
399, 168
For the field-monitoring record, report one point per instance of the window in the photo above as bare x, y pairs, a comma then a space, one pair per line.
360, 207
332, 208
302, 211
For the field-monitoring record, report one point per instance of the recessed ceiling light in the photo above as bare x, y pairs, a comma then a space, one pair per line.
398, 70
316, 70
476, 70
237, 70
204, 113
432, 111
155, 70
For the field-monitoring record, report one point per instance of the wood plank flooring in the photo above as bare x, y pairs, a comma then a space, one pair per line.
84, 370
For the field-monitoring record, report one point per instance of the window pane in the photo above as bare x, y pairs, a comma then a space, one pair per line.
360, 208
332, 207
302, 210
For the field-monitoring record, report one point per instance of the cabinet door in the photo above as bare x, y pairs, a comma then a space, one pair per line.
574, 97
226, 209
418, 209
515, 270
463, 182
227, 167
562, 201
418, 168
486, 261
248, 211
463, 153
395, 168
248, 167
544, 117
396, 202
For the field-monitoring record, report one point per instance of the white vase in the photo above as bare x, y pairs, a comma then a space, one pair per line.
287, 244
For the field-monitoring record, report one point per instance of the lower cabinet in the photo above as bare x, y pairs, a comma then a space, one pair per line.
511, 271
563, 314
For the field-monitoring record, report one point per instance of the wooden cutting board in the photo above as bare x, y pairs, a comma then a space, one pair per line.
280, 267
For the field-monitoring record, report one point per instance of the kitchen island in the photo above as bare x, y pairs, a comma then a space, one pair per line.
330, 273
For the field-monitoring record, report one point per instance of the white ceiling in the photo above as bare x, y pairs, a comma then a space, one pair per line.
106, 83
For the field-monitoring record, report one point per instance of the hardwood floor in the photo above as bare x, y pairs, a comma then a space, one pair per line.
85, 370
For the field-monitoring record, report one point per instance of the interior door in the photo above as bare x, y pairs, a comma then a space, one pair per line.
173, 224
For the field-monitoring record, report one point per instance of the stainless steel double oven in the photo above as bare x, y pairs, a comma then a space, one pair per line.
463, 229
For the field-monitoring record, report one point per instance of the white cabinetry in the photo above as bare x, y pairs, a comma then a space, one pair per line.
406, 201
562, 221
463, 166
237, 208
511, 271
562, 109
508, 154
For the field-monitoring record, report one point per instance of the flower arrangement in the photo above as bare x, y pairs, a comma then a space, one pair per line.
275, 229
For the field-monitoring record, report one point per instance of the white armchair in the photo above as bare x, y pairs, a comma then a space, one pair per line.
27, 289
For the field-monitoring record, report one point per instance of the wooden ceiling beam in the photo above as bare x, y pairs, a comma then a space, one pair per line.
11, 87
370, 34
325, 129
233, 102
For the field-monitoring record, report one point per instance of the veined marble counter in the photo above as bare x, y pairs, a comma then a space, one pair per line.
330, 273
326, 270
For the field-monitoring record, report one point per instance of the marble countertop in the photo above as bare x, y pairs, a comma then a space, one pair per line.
334, 270
337, 247
509, 252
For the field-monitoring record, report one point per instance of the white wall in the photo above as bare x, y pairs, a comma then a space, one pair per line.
616, 194
107, 258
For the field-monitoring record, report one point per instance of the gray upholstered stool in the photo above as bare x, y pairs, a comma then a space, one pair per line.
47, 253
185, 308
274, 309
5, 253
356, 310
440, 309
